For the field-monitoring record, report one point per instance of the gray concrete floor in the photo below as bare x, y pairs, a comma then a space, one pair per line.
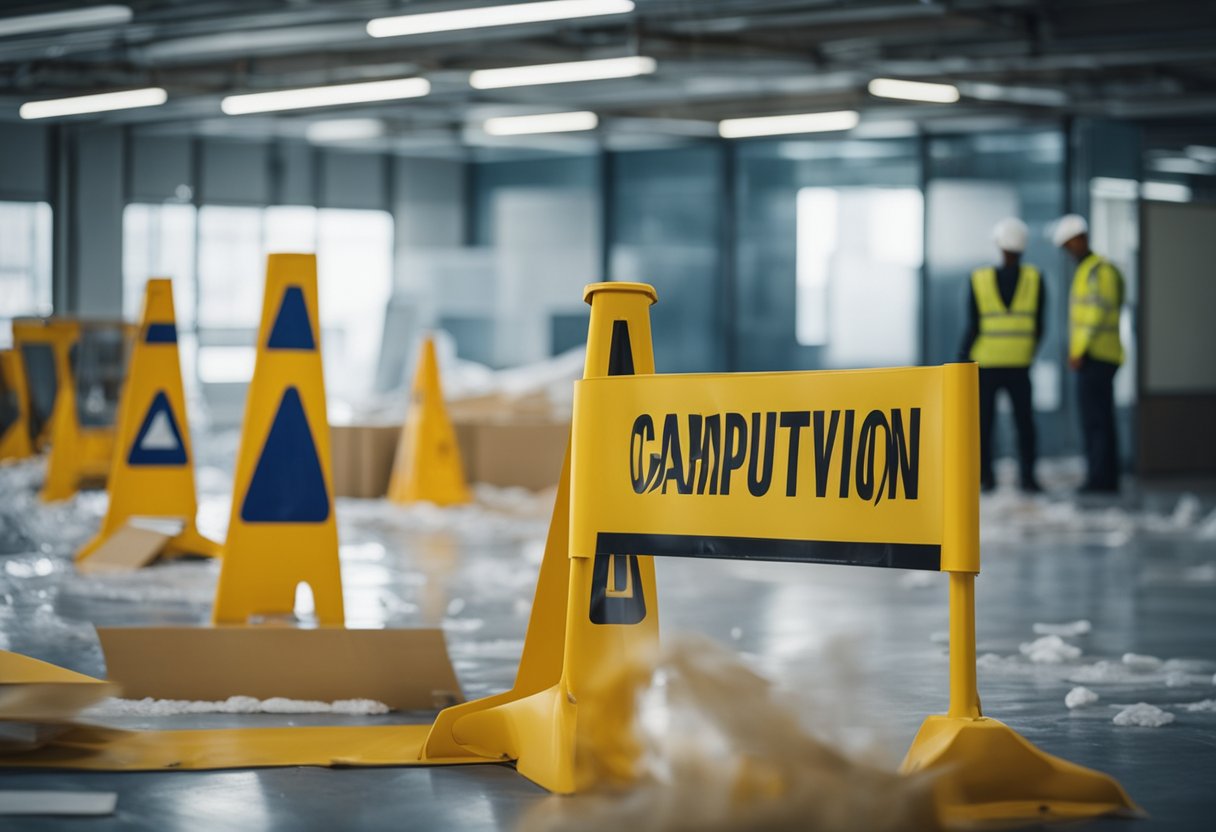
862, 649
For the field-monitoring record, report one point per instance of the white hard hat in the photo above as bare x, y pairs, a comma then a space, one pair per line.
1067, 227
1010, 235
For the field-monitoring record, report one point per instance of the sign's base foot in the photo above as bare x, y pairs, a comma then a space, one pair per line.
536, 731
987, 774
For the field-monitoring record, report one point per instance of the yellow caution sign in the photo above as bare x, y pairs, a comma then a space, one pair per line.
79, 452
428, 466
282, 530
589, 615
152, 474
16, 441
872, 468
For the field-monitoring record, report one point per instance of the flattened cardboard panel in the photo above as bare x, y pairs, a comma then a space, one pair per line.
58, 803
127, 549
405, 669
91, 748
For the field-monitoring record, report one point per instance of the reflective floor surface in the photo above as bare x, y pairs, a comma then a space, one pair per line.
862, 651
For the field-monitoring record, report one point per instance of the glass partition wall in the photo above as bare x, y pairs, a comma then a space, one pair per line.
829, 250
972, 182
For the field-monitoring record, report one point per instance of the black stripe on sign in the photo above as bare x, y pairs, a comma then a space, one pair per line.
890, 555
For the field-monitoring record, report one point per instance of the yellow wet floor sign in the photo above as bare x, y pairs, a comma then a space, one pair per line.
871, 468
282, 531
428, 466
152, 474
15, 439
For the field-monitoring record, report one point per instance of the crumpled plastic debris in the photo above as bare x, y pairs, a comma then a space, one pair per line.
1143, 715
695, 740
1079, 697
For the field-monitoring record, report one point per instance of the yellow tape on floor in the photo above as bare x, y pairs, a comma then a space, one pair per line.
93, 748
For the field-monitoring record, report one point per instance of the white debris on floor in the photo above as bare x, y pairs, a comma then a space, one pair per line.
918, 579
1007, 515
232, 705
1050, 635
1143, 715
1144, 664
497, 514
1079, 697
1049, 650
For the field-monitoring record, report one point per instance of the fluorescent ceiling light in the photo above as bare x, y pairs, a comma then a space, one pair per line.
542, 123
111, 15
1034, 96
526, 76
1202, 153
99, 103
486, 16
305, 97
1165, 191
1183, 165
913, 90
345, 130
739, 128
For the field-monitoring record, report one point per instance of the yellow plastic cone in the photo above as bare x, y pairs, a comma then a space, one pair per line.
15, 440
282, 530
428, 466
152, 474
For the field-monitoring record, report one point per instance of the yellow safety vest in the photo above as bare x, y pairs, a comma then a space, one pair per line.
1094, 309
1007, 335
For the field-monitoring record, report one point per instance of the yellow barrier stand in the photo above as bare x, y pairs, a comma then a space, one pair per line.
282, 530
152, 473
15, 439
54, 338
664, 465
428, 466
79, 453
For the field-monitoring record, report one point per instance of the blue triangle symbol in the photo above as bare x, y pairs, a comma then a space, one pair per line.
292, 330
159, 440
287, 484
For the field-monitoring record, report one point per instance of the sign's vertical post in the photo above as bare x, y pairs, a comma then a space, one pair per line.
960, 528
964, 693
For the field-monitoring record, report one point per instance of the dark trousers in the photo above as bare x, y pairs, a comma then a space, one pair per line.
1096, 396
1016, 382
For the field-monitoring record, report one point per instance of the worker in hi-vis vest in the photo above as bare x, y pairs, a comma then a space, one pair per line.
1094, 350
1005, 324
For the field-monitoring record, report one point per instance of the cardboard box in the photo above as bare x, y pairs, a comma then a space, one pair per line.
514, 452
363, 458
